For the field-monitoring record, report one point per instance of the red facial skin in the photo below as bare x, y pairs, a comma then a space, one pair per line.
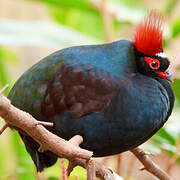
150, 60
162, 75
148, 40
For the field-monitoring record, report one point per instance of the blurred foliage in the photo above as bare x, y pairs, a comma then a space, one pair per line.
24, 165
6, 57
176, 88
170, 6
76, 14
176, 28
77, 19
79, 22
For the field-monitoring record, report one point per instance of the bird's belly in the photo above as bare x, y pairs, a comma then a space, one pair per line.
100, 135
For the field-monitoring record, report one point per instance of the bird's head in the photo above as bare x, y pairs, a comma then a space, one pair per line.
150, 58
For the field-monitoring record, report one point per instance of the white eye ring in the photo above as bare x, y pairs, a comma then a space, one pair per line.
161, 54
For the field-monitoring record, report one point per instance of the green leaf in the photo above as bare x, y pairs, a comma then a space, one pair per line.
176, 88
162, 136
53, 178
3, 157
53, 171
129, 2
170, 6
173, 124
82, 21
3, 73
6, 58
91, 23
25, 168
176, 28
78, 4
9, 56
80, 172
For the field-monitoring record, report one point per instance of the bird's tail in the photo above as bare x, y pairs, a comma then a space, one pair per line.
41, 159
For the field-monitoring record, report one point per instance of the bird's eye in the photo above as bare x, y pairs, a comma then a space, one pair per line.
153, 63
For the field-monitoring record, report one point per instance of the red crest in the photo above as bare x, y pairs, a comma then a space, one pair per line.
148, 34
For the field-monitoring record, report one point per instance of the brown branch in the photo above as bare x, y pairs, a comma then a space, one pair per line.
49, 124
149, 165
107, 20
76, 140
77, 178
4, 88
91, 172
109, 9
48, 141
119, 160
174, 158
101, 171
3, 128
130, 167
63, 169
38, 175
71, 166
67, 149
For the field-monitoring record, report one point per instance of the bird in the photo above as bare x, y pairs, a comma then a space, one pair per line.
115, 95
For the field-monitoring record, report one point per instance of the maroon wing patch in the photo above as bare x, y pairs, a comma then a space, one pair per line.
80, 89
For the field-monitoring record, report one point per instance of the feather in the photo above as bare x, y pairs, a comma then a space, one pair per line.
148, 34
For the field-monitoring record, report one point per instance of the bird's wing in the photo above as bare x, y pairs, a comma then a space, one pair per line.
79, 89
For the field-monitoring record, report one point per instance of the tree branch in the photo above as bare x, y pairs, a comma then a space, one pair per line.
91, 172
48, 141
107, 20
4, 88
101, 171
49, 124
149, 165
109, 9
67, 149
3, 128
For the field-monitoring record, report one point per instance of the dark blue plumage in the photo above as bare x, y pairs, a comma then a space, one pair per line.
97, 92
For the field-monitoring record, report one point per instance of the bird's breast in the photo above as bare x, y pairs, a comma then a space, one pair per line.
137, 111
